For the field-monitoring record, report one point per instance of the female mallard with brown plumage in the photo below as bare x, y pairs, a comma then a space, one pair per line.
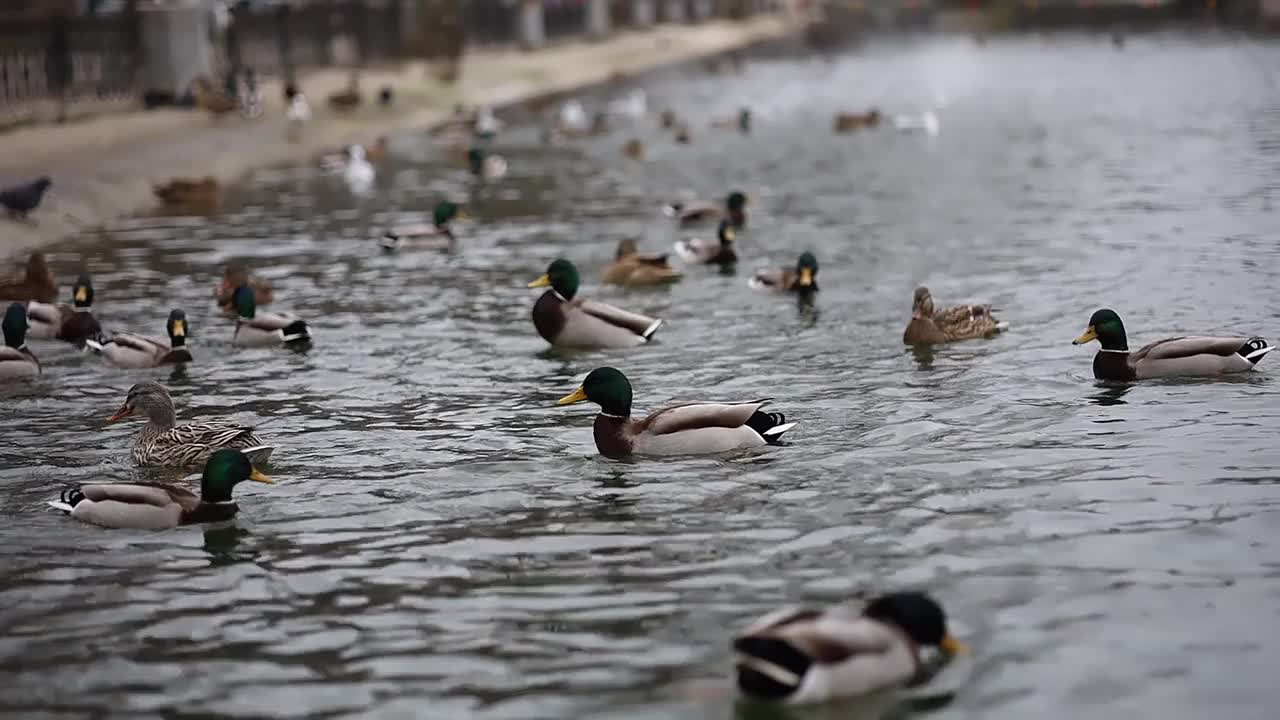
799, 656
1172, 357
348, 99
264, 329
631, 269
211, 99
733, 210
437, 236
688, 429
163, 442
848, 122
35, 283
75, 324
128, 350
142, 506
966, 322
567, 321
189, 191
702, 252
803, 278
16, 361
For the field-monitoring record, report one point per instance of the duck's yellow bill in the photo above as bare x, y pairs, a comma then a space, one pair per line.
256, 476
952, 646
179, 328
806, 277
1090, 334
574, 397
462, 215
543, 281
729, 234
82, 294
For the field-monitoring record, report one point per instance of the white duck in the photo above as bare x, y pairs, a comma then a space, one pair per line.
573, 117
634, 105
926, 122
359, 173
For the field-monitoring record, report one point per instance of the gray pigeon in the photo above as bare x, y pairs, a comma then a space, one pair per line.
23, 199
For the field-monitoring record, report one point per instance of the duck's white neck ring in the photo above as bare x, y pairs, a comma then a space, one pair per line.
559, 297
609, 415
1122, 352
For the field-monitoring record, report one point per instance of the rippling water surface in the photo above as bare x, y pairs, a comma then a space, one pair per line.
444, 541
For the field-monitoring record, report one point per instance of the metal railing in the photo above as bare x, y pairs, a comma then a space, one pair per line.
491, 22
563, 18
282, 40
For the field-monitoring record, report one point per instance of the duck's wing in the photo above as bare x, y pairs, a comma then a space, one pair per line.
967, 321
694, 416
143, 507
140, 343
270, 321
135, 494
1181, 347
45, 314
777, 279
641, 325
1198, 356
208, 435
654, 260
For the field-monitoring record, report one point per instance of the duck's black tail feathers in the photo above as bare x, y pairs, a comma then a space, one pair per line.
1255, 350
297, 332
769, 426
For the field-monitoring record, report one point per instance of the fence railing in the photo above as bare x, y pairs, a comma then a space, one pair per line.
282, 40
562, 18
491, 22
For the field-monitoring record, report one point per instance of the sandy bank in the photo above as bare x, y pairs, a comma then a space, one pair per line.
103, 169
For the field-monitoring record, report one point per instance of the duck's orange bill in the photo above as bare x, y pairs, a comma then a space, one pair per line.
952, 646
124, 412
259, 477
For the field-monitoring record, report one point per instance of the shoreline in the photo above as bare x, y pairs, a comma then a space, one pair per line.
104, 168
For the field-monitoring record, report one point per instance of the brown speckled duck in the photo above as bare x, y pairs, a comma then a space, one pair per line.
631, 269
142, 506
1173, 357
163, 442
965, 322
848, 122
568, 321
189, 191
687, 429
35, 283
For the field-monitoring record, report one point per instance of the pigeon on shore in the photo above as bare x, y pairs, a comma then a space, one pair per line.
20, 200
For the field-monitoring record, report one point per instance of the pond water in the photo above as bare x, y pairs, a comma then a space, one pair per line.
444, 541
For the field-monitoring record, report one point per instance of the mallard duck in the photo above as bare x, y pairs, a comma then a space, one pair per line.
848, 122
965, 322
803, 279
667, 120
802, 655
162, 443
137, 351
262, 329
1173, 357
741, 123
569, 322
634, 105
348, 99
437, 235
633, 149
233, 276
209, 98
485, 125
733, 210
688, 429
16, 361
485, 166
141, 506
631, 269
682, 136
702, 252
35, 283
379, 150
188, 191
74, 324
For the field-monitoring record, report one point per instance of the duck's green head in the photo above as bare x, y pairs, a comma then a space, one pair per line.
725, 233
446, 212
736, 201
82, 292
15, 325
561, 276
177, 328
1106, 328
919, 616
224, 470
246, 306
606, 387
807, 269
475, 160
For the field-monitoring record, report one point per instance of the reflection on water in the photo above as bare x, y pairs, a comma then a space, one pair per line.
443, 539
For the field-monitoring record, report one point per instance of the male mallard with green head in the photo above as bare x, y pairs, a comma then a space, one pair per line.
702, 252
75, 324
631, 269
1173, 357
965, 322
141, 506
802, 279
437, 235
800, 656
688, 429
255, 328
128, 350
162, 442
734, 210
568, 321
16, 361
233, 276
